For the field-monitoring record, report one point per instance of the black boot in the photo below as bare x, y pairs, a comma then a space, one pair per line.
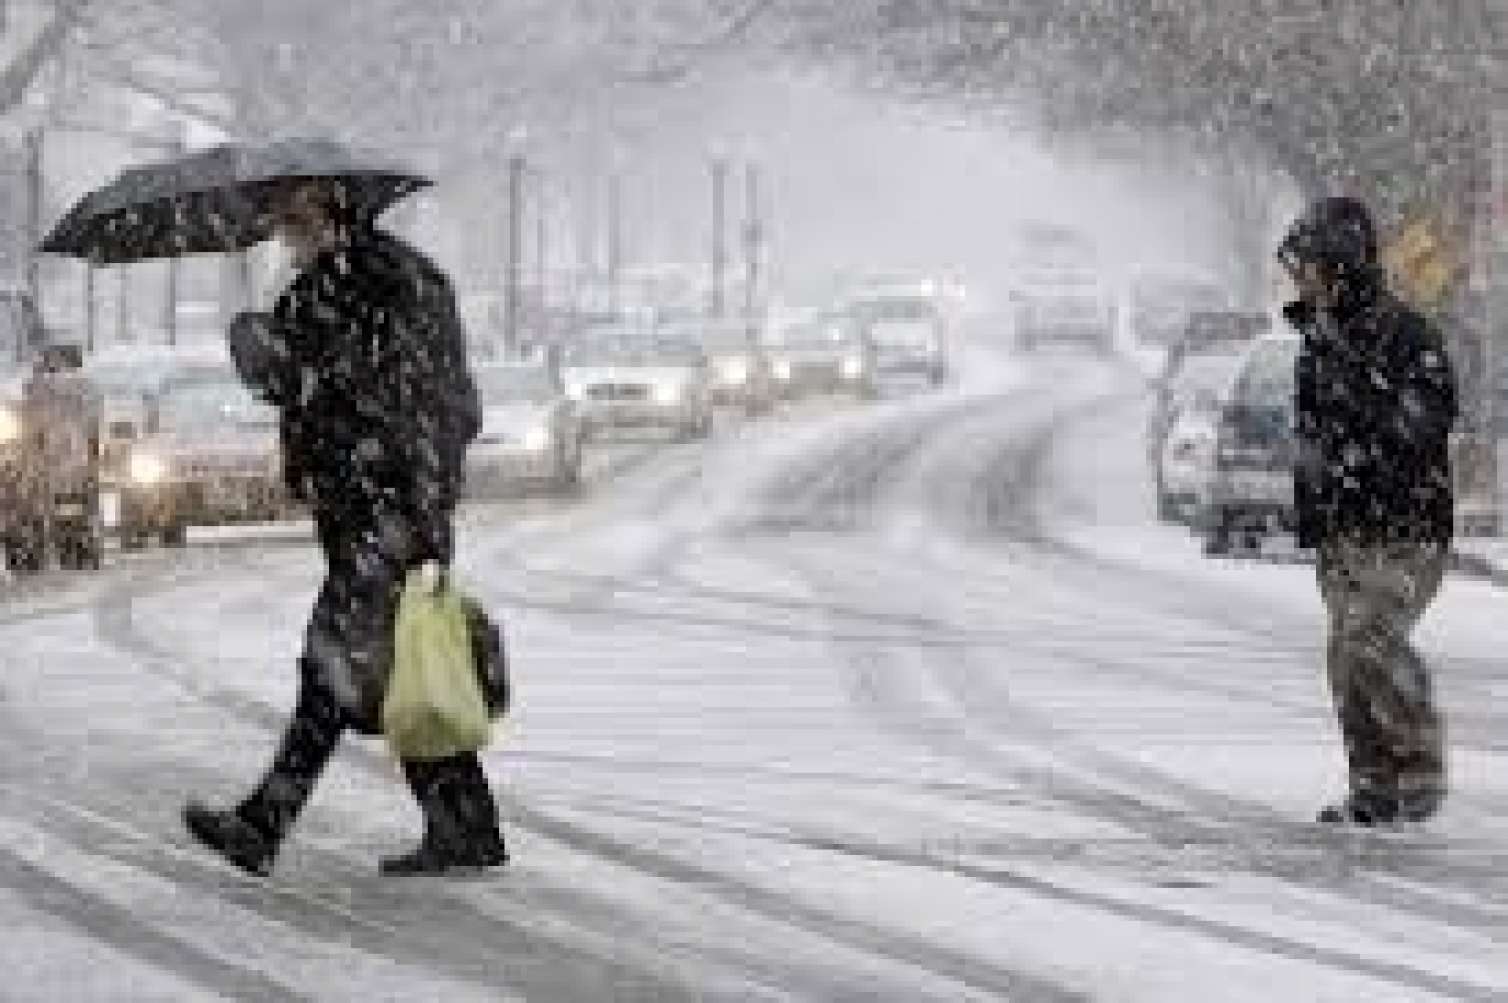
232, 837
1365, 809
460, 819
432, 858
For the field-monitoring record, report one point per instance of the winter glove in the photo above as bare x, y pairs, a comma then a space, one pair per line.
260, 353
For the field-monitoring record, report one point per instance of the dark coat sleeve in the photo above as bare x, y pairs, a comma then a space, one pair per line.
1427, 395
259, 348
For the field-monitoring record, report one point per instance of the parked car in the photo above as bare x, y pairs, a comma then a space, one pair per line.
531, 431
1222, 335
212, 458
1250, 492
632, 378
826, 353
1181, 446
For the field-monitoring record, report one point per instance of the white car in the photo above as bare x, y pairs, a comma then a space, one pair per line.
909, 327
213, 458
1182, 435
640, 380
1250, 491
531, 432
827, 353
129, 379
740, 366
1186, 462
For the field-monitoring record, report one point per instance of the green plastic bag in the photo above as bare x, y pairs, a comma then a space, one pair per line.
434, 706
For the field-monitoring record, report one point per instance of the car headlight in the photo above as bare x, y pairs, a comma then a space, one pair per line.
734, 371
668, 393
148, 468
853, 367
538, 439
10, 425
781, 369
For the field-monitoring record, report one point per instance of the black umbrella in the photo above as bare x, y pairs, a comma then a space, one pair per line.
217, 200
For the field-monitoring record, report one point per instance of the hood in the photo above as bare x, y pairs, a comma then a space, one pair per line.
1338, 235
836, 350
628, 374
513, 416
230, 443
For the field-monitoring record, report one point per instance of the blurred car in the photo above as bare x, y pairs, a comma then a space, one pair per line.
212, 458
1250, 491
1223, 336
1157, 301
531, 432
1063, 305
826, 353
49, 441
1211, 332
1181, 444
129, 379
908, 325
740, 365
636, 378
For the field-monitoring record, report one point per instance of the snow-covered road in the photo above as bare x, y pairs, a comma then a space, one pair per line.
902, 702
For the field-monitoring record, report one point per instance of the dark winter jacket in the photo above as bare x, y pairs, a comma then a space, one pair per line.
1376, 397
365, 357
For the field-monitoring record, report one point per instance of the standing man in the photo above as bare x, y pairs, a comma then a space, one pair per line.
1376, 399
365, 358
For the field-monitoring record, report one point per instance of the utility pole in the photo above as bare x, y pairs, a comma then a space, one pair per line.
175, 150
717, 307
516, 168
614, 241
122, 305
34, 195
753, 247
90, 312
541, 246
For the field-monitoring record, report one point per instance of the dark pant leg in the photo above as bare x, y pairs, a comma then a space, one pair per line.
303, 753
1381, 686
460, 814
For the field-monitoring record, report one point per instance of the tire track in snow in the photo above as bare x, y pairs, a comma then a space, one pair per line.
115, 627
1161, 824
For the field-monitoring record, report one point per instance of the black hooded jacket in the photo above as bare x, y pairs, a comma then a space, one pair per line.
365, 357
1376, 396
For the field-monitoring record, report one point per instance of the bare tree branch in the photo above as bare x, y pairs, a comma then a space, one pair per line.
17, 76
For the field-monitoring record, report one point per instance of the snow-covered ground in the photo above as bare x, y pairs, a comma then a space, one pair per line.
909, 701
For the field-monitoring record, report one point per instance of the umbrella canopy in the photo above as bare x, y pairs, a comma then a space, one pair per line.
216, 201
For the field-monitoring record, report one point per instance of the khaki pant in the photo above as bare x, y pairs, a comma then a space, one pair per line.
1375, 594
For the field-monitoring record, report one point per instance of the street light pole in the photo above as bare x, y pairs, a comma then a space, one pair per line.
614, 240
122, 305
516, 167
176, 145
90, 314
541, 239
753, 245
34, 195
719, 235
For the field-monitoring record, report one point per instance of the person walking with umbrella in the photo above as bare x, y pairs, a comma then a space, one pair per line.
364, 357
